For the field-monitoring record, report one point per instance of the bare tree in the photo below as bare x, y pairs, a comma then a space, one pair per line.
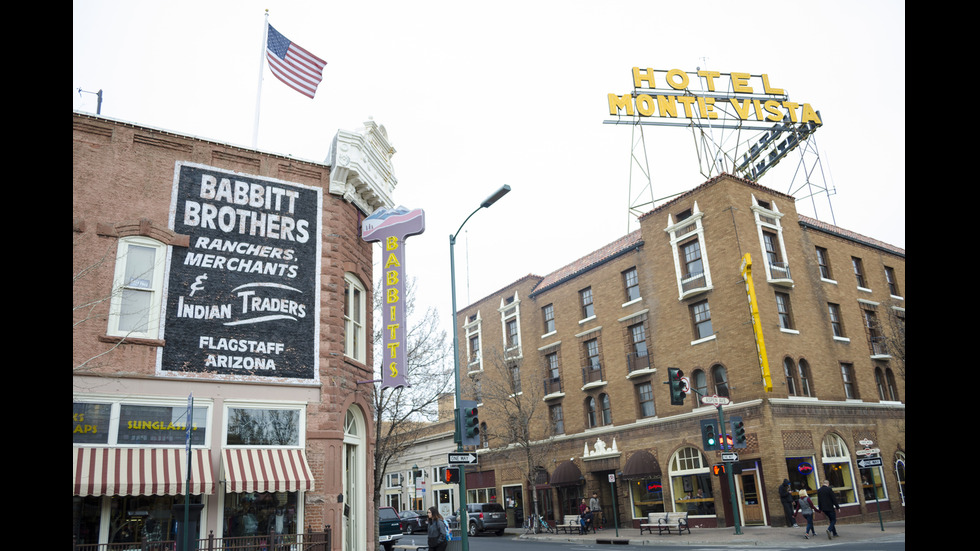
521, 431
403, 414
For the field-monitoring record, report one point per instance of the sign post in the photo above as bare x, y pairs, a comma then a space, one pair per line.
612, 490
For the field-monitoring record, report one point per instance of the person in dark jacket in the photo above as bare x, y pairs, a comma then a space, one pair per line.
438, 535
786, 498
827, 502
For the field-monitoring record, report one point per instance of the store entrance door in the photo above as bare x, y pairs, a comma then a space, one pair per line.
750, 498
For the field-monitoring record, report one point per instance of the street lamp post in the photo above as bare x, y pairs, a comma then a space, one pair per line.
458, 436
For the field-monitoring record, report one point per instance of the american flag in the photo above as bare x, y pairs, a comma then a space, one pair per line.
294, 66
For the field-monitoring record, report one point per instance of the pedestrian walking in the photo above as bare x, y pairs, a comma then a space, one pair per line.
438, 535
805, 506
827, 501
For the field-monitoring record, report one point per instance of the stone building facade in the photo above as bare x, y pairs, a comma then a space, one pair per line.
589, 345
236, 278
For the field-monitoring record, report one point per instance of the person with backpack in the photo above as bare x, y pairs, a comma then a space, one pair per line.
805, 506
438, 534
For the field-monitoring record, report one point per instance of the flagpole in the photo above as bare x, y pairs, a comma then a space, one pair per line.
258, 91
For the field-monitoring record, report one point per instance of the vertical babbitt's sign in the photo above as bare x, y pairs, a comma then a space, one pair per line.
391, 227
242, 298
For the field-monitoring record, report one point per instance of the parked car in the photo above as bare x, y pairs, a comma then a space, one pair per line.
485, 517
389, 527
414, 521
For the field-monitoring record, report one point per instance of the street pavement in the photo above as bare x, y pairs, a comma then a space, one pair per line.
755, 536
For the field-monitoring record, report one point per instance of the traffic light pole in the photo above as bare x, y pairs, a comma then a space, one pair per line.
729, 467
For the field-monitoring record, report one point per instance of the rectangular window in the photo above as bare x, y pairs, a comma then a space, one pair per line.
850, 385
137, 288
644, 397
691, 252
263, 427
701, 318
632, 284
588, 309
638, 336
873, 329
354, 305
858, 271
835, 319
512, 338
548, 313
553, 368
557, 419
892, 282
592, 353
474, 348
785, 311
515, 377
823, 261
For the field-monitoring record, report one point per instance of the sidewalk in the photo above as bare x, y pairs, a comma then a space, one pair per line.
761, 536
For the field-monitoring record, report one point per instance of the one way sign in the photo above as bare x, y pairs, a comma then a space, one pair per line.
462, 459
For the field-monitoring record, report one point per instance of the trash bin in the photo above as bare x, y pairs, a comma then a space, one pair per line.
456, 544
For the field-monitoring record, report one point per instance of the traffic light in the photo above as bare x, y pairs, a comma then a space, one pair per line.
738, 431
470, 423
677, 386
718, 469
451, 475
709, 435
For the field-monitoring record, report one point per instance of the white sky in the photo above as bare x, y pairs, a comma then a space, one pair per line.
512, 93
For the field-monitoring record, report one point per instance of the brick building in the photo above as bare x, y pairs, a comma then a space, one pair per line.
589, 345
239, 278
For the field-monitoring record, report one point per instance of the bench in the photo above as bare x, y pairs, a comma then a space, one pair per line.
665, 522
572, 522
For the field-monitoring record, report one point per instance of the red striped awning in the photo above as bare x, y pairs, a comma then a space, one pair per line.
266, 470
139, 472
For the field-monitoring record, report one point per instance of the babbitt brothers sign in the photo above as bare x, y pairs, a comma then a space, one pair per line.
242, 299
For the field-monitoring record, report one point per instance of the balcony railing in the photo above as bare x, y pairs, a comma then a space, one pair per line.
779, 270
636, 362
591, 373
879, 346
552, 385
693, 281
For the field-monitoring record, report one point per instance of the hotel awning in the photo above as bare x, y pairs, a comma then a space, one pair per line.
266, 470
139, 471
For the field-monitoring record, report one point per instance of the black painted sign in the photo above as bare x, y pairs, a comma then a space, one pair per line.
243, 298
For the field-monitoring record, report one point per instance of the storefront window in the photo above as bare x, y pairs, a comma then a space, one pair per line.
85, 515
263, 427
690, 483
646, 496
801, 474
872, 483
143, 425
260, 514
900, 475
837, 468
569, 498
90, 423
481, 495
143, 519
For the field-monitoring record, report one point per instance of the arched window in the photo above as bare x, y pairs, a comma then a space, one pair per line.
789, 369
900, 474
354, 481
606, 409
137, 288
880, 384
890, 381
720, 377
690, 483
700, 382
837, 468
590, 412
354, 314
806, 387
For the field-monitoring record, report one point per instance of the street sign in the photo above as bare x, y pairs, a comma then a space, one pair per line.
687, 384
866, 442
715, 400
612, 478
463, 459
868, 451
729, 456
867, 462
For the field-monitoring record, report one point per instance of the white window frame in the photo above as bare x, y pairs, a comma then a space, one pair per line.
510, 310
681, 232
116, 402
833, 450
471, 329
355, 333
770, 220
242, 404
155, 288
